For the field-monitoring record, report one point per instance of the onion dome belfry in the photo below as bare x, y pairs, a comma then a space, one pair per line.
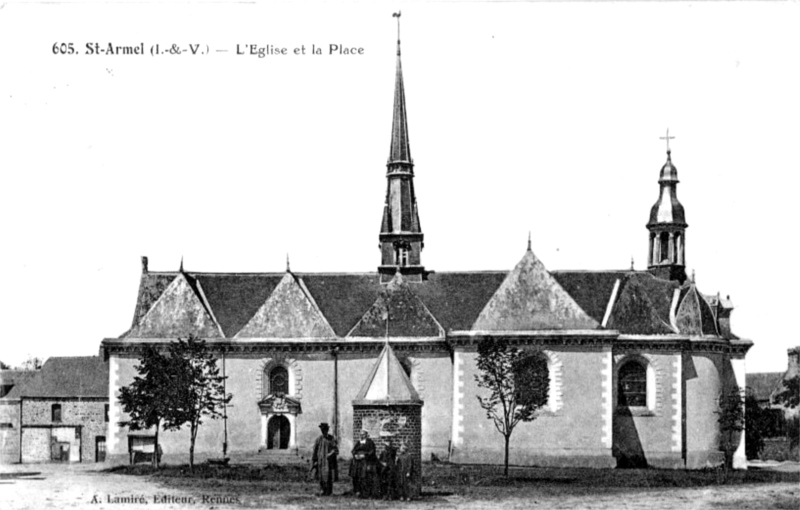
667, 227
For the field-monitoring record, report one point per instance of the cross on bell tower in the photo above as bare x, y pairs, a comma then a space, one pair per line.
667, 226
401, 234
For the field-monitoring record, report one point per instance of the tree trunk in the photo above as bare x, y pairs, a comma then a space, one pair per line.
505, 470
191, 448
155, 446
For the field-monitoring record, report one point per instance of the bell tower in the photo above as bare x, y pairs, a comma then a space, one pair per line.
401, 235
667, 226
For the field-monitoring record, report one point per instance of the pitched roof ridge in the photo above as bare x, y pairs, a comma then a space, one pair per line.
152, 305
207, 306
313, 302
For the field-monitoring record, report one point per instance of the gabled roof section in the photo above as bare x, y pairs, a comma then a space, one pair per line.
530, 298
180, 311
289, 312
590, 289
634, 311
342, 298
151, 286
456, 299
387, 382
397, 312
235, 298
80, 376
694, 315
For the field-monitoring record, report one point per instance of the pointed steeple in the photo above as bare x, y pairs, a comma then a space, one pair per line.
666, 257
400, 151
401, 234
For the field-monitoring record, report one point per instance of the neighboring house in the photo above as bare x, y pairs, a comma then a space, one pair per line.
763, 387
58, 414
637, 359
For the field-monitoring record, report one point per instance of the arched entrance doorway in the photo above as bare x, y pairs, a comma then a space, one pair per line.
278, 431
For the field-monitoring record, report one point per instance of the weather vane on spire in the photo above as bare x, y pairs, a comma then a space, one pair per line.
397, 15
667, 138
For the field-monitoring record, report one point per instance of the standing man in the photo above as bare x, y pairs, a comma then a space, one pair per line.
323, 460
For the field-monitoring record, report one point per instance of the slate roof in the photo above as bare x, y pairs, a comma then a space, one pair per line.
80, 376
10, 379
763, 385
398, 312
643, 303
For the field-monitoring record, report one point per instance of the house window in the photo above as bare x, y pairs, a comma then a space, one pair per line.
55, 412
632, 385
105, 413
279, 381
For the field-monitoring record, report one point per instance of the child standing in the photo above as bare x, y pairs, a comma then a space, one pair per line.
404, 470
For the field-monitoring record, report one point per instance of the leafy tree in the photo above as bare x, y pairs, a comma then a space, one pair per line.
199, 390
731, 424
517, 383
149, 399
790, 395
3, 366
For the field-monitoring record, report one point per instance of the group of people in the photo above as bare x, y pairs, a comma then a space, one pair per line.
386, 476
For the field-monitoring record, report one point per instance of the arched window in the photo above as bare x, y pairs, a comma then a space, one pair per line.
279, 380
632, 385
55, 412
532, 380
664, 247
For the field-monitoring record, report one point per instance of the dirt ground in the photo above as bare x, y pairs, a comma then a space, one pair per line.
49, 486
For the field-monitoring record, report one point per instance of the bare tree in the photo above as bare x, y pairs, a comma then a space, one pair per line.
517, 382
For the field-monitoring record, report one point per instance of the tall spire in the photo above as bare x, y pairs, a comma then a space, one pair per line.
667, 225
400, 151
401, 234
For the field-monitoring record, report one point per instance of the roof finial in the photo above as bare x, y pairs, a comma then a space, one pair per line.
529, 240
631, 262
667, 138
397, 15
288, 268
693, 276
181, 268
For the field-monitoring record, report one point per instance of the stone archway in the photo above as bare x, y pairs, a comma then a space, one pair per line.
279, 432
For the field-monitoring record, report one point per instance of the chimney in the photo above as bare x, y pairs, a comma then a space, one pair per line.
144, 264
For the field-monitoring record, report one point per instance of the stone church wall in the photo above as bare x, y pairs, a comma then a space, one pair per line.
312, 376
705, 376
577, 433
651, 435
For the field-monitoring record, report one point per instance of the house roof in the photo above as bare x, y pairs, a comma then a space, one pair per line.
80, 376
763, 385
221, 305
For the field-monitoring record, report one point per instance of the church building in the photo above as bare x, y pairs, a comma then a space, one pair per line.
637, 360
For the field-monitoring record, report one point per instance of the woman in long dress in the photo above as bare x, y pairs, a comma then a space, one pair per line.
363, 467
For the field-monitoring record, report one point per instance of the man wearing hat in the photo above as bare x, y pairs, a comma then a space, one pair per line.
323, 460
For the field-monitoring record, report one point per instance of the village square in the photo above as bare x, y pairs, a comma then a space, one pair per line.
409, 384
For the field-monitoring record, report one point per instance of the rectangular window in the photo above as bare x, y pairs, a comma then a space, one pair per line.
55, 412
106, 413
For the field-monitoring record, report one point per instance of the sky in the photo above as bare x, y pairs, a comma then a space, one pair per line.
523, 117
